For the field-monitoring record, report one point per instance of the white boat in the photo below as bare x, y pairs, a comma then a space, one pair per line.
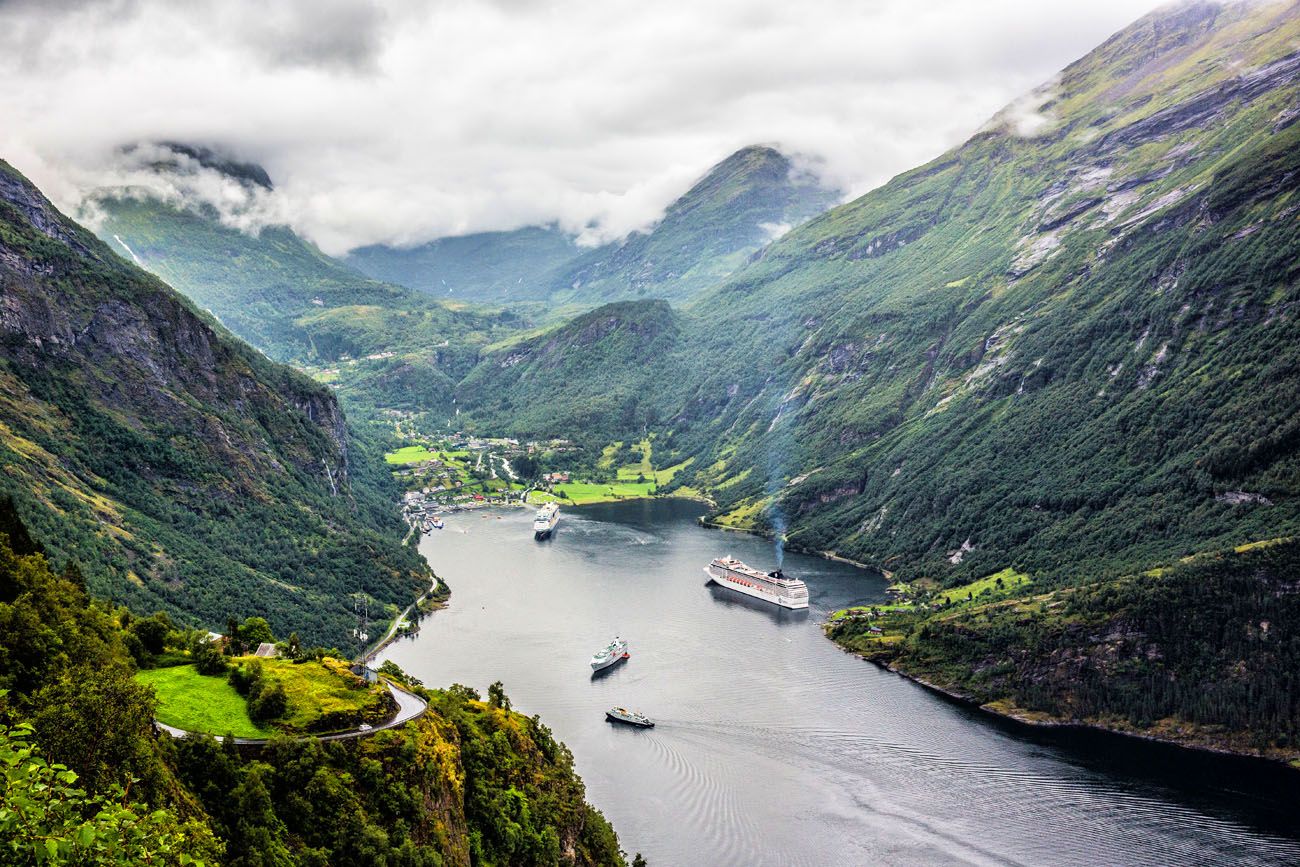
437, 523
544, 523
615, 651
631, 717
774, 586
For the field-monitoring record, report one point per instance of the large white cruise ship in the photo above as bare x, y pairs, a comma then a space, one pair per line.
547, 517
772, 587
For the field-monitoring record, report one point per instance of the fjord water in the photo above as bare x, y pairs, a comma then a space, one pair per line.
773, 746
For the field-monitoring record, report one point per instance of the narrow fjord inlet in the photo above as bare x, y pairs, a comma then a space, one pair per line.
597, 433
773, 747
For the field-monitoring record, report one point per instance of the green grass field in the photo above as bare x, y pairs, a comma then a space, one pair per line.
410, 455
317, 689
583, 493
954, 596
1010, 578
191, 701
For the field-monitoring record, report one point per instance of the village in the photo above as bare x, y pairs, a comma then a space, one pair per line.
443, 474
458, 473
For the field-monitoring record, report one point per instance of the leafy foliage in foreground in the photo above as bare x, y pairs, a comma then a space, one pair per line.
46, 819
467, 783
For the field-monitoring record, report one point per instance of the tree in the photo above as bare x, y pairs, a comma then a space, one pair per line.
526, 466
497, 696
270, 703
152, 632
254, 631
233, 646
393, 670
99, 722
638, 861
208, 658
463, 692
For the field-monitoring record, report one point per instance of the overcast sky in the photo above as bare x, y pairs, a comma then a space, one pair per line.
404, 121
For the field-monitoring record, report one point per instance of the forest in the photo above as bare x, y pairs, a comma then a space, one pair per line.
1205, 652
90, 782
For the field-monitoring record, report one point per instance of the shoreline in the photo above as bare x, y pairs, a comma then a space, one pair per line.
798, 549
1018, 719
1058, 724
572, 505
394, 632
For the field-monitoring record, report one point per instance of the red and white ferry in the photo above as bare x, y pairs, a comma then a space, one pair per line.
772, 586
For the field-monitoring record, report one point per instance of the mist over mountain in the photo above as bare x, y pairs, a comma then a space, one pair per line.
489, 267
740, 205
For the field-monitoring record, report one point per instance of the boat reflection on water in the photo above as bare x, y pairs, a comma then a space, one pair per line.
778, 615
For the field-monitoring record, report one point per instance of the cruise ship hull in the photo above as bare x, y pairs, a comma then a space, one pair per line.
733, 582
609, 663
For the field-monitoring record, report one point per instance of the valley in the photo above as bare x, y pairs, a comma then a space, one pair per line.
1067, 353
1022, 416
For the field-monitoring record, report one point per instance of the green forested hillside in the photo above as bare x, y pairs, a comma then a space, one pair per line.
282, 294
490, 267
177, 465
1203, 653
1072, 351
88, 781
738, 207
599, 375
1069, 346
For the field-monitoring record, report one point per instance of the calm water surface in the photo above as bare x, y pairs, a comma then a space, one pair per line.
772, 746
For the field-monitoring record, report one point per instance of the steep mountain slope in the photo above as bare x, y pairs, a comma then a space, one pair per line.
273, 288
175, 464
486, 267
738, 207
588, 379
1066, 350
1068, 344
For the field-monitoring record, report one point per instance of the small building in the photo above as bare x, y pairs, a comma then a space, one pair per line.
365, 672
266, 650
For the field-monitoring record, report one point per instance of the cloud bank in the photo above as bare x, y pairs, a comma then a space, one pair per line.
398, 122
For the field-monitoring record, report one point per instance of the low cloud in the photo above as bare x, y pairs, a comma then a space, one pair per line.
399, 122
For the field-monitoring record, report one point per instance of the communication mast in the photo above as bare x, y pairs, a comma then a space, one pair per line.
361, 606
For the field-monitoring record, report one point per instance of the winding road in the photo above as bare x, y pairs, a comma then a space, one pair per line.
409, 707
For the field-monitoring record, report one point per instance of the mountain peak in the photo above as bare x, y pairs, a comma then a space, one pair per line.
171, 156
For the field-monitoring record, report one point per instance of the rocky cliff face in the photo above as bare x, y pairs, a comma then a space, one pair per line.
123, 406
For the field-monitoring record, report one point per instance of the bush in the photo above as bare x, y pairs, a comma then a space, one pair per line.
270, 703
208, 659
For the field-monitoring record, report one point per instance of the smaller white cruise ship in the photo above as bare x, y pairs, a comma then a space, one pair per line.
547, 517
774, 586
615, 651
